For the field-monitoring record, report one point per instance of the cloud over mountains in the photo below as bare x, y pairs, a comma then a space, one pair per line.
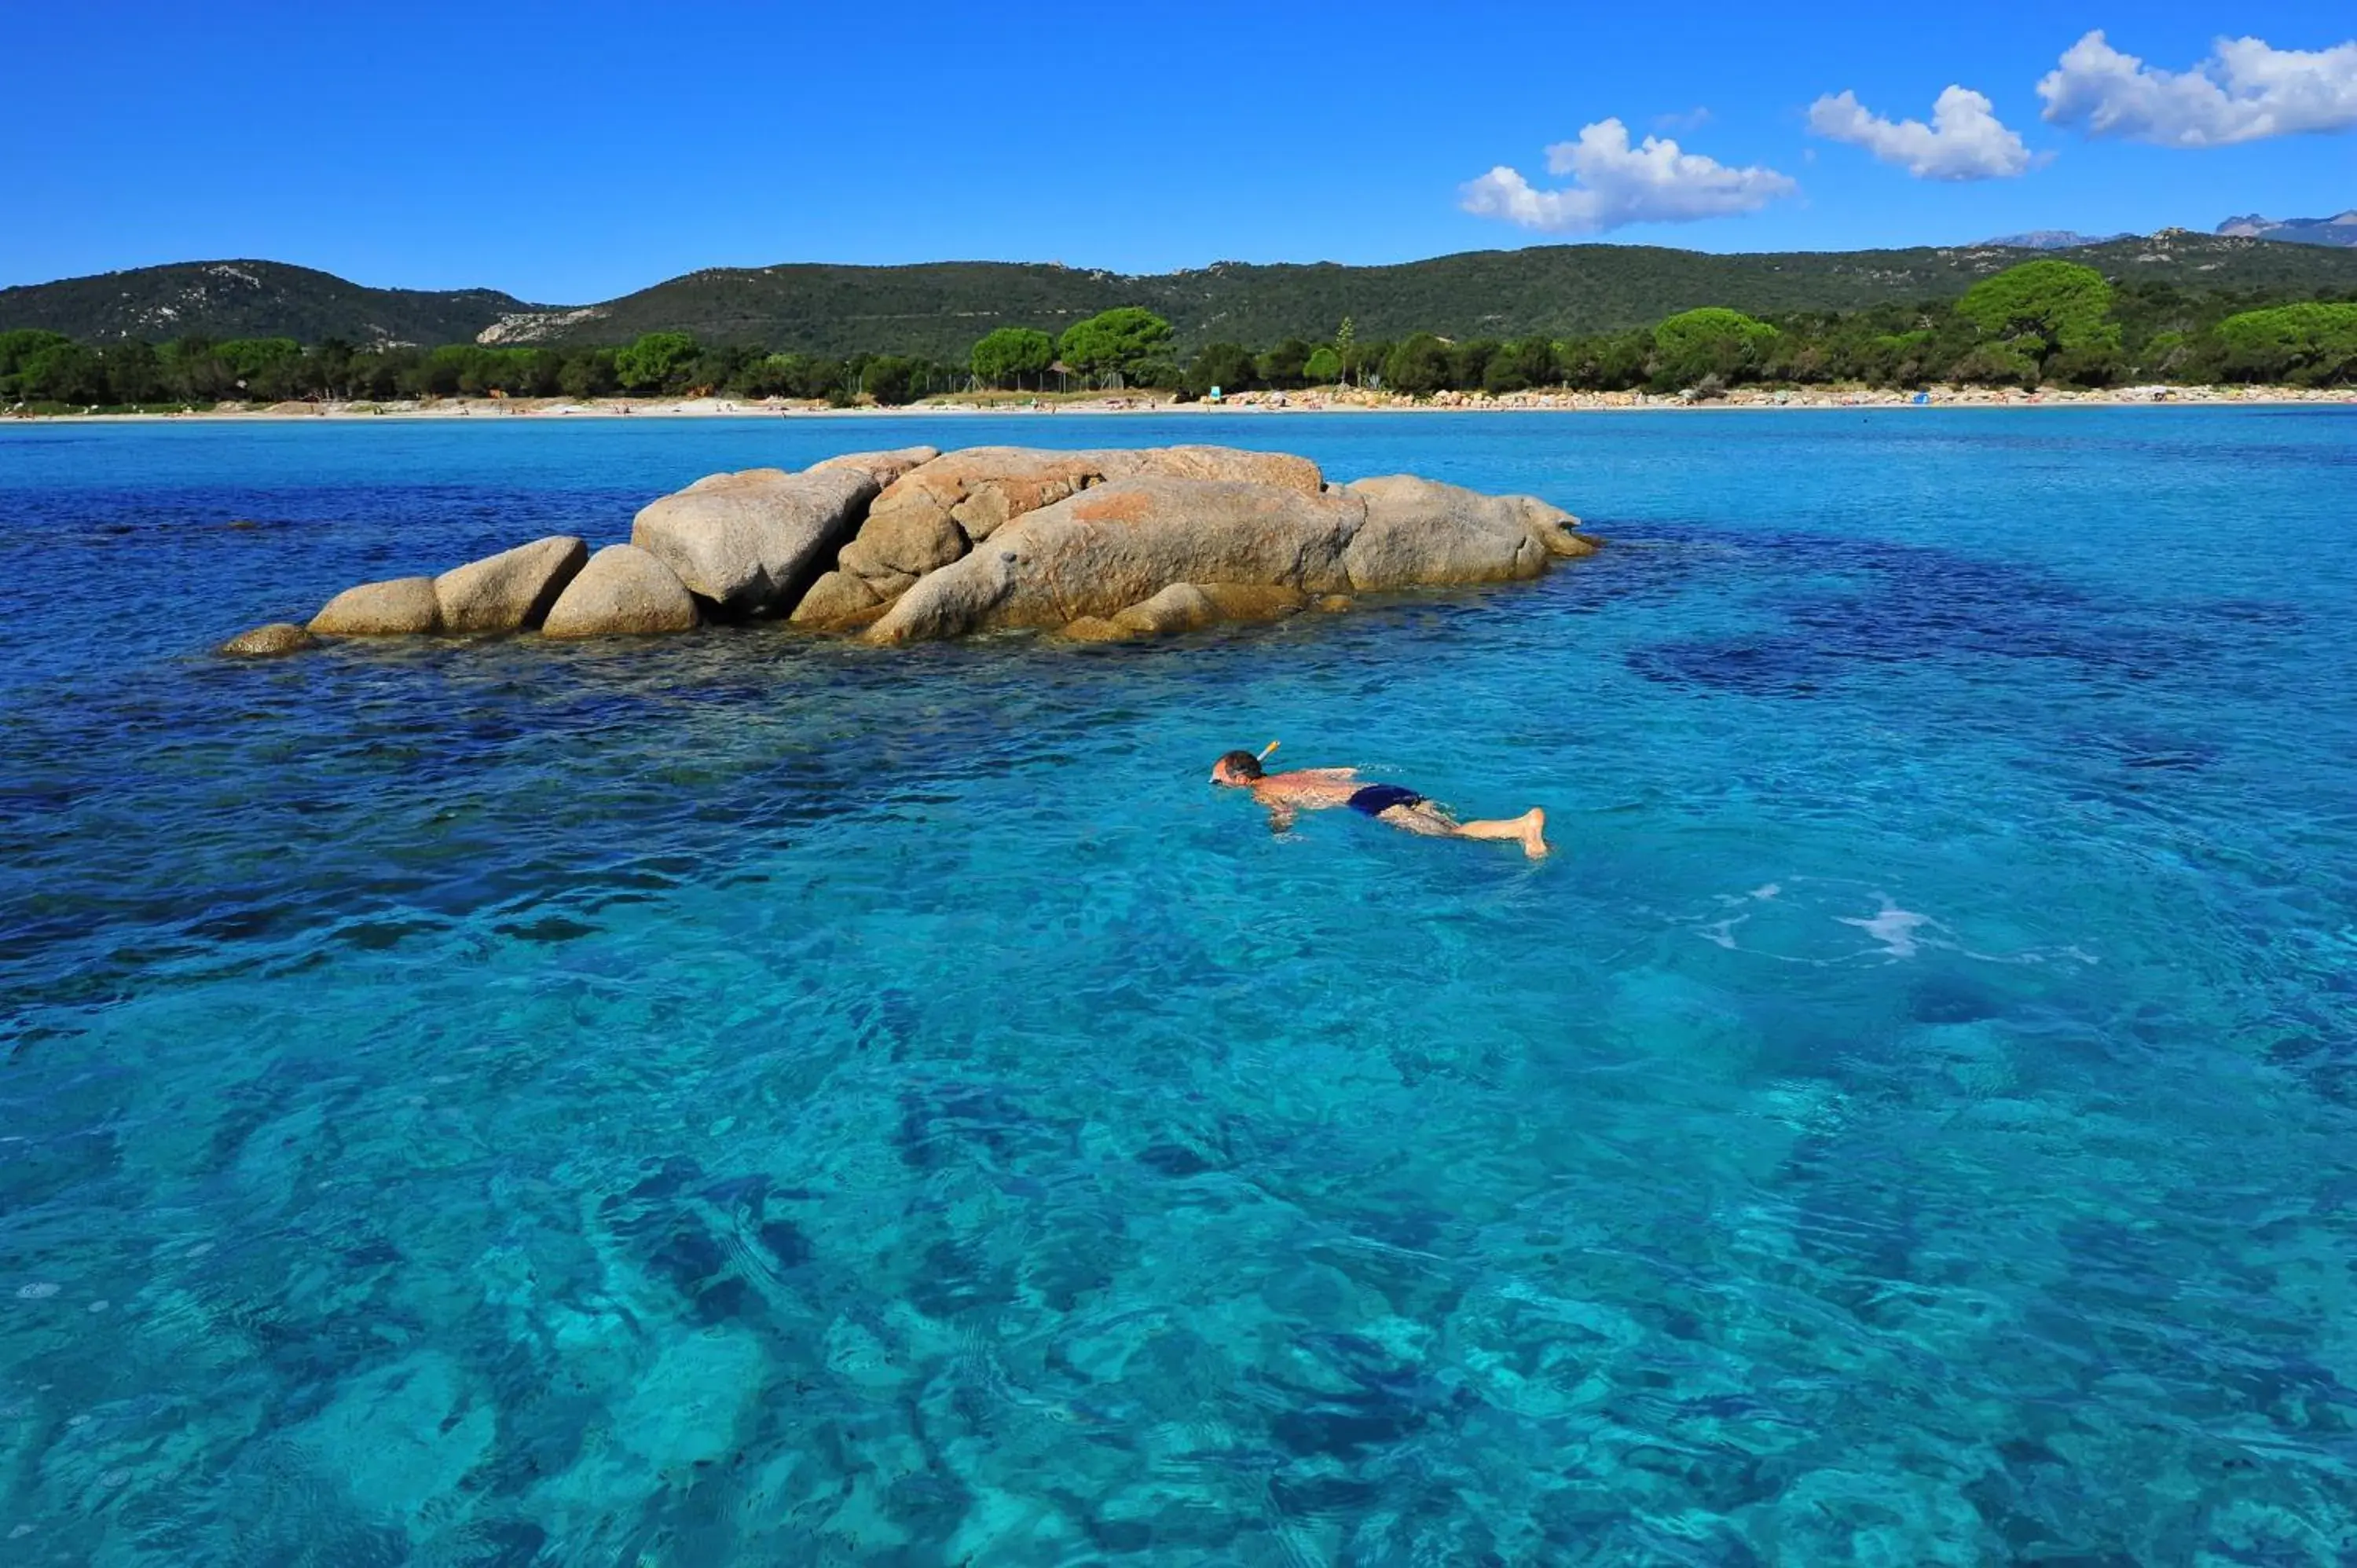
2245, 91
1615, 184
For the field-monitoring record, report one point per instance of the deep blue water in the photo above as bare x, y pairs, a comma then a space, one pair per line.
748, 1100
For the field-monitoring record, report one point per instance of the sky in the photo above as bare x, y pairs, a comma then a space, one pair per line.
567, 153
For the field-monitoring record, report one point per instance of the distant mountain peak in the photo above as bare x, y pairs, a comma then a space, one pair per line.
2054, 240
243, 297
2339, 229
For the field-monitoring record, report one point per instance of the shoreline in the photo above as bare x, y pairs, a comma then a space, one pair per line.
1349, 401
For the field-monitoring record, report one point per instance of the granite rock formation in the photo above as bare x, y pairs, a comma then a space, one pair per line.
911, 545
623, 591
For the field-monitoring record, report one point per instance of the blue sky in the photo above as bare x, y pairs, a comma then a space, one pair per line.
568, 154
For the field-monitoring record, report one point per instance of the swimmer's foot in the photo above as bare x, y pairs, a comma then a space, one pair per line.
1534, 844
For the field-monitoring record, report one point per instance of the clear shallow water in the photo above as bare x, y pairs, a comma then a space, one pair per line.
745, 1100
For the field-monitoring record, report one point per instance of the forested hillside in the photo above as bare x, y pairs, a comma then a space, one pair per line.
248, 299
939, 310
2048, 322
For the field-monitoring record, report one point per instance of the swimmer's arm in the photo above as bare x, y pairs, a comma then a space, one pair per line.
1280, 815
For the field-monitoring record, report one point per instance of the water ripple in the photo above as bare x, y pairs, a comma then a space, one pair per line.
746, 1098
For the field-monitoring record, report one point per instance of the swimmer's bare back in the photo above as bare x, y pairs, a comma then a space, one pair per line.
1283, 795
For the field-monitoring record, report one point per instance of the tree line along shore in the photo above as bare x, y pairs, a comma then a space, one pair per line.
2048, 323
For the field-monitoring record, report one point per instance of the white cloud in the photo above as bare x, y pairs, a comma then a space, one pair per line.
1615, 184
1964, 141
2245, 91
1693, 119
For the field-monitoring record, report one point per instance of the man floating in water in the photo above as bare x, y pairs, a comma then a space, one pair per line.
1320, 789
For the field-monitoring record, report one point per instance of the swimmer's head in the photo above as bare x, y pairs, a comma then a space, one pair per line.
1236, 768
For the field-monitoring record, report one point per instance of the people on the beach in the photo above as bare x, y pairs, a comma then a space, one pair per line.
1321, 788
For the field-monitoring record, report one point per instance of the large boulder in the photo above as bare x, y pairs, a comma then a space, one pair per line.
969, 495
884, 468
1120, 544
982, 488
511, 591
402, 606
280, 636
1419, 532
835, 598
932, 514
623, 591
1283, 470
904, 543
751, 541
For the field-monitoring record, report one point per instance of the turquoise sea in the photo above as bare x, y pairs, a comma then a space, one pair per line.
747, 1100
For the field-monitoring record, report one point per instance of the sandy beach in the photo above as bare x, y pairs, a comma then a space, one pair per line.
1315, 400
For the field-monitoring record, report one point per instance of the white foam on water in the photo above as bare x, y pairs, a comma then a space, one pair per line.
1721, 932
40, 1290
1891, 926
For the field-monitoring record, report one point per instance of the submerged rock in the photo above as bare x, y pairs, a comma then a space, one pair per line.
1253, 601
401, 607
751, 541
1190, 607
1182, 607
1097, 628
623, 591
510, 591
280, 636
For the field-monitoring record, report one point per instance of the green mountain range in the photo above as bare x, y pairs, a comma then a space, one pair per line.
940, 309
249, 299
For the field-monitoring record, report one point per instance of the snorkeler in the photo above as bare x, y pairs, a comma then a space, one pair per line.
1319, 788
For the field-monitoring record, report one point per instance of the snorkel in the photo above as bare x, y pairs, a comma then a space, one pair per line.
1240, 767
